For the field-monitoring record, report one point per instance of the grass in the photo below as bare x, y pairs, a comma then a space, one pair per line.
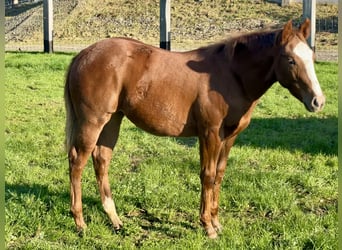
279, 192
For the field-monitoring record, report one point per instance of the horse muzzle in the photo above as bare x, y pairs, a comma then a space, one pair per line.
315, 104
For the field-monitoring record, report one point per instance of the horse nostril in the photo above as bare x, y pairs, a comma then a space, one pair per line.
315, 102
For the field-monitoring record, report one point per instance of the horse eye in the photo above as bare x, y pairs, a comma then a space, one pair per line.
291, 61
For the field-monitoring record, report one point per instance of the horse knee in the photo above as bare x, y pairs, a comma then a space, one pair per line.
207, 178
101, 158
72, 155
76, 162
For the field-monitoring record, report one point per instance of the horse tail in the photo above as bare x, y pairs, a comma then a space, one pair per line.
70, 112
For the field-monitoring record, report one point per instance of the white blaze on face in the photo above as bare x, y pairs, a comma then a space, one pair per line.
303, 51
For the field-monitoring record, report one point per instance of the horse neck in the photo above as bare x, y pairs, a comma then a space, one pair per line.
254, 67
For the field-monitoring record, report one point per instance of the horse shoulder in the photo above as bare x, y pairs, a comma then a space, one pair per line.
237, 121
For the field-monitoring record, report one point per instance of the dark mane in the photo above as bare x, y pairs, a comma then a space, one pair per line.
258, 40
253, 42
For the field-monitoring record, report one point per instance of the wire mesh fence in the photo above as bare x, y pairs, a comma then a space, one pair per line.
14, 3
24, 28
327, 24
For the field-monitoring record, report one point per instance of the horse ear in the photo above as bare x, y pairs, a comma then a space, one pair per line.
287, 31
305, 28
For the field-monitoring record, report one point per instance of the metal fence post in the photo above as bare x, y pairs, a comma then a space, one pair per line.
165, 24
48, 26
309, 11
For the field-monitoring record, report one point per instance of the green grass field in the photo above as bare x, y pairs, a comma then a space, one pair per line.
279, 191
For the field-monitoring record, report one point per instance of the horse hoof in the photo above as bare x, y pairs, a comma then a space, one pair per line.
117, 227
81, 231
117, 224
218, 228
212, 234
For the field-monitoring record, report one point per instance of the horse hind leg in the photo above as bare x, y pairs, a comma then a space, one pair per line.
77, 161
84, 139
102, 155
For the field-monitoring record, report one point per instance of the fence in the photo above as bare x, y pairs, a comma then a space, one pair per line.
13, 3
286, 2
327, 24
24, 20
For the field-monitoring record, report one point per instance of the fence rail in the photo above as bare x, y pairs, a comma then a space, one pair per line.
12, 3
28, 15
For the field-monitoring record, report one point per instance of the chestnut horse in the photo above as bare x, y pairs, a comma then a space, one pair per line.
209, 92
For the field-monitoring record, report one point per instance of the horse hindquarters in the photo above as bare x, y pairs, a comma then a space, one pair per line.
83, 128
78, 148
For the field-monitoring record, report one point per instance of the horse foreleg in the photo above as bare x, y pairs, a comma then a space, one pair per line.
102, 155
221, 166
209, 150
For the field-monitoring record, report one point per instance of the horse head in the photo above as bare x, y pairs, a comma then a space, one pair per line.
294, 66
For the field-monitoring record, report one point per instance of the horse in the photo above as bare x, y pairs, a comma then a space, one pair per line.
209, 93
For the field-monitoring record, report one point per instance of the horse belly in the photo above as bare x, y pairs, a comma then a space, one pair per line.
159, 118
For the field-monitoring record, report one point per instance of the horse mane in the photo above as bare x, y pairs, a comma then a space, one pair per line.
258, 40
251, 41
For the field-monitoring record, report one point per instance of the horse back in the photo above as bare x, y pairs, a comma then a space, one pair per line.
154, 88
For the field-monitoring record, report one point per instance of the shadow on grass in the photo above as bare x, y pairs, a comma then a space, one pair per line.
148, 221
310, 135
171, 228
39, 191
43, 193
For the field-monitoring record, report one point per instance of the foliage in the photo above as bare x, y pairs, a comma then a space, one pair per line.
279, 192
